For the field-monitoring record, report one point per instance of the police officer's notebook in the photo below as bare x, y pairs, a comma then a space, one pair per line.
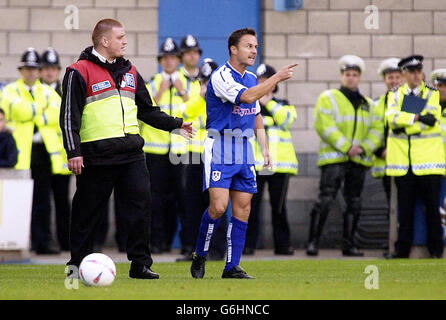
413, 104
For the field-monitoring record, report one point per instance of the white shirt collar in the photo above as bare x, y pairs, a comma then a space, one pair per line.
236, 70
415, 90
101, 57
186, 73
33, 88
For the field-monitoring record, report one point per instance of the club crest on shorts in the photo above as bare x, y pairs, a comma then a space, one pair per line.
216, 175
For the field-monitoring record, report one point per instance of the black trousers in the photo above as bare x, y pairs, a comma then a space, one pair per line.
166, 179
94, 187
41, 205
60, 184
195, 203
120, 225
352, 176
428, 188
278, 188
45, 183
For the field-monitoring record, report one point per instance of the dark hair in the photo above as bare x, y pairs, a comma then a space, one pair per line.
235, 37
2, 112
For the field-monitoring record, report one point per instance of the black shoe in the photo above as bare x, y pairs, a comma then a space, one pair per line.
287, 251
47, 249
436, 256
248, 251
313, 248
197, 267
352, 252
141, 271
236, 273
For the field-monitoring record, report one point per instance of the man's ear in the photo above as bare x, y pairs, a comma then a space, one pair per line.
233, 49
104, 41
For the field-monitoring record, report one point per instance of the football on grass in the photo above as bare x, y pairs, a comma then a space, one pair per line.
97, 270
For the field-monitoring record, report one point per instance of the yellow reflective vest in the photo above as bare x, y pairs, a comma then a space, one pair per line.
415, 144
443, 128
158, 141
193, 87
340, 126
23, 112
280, 143
195, 112
379, 114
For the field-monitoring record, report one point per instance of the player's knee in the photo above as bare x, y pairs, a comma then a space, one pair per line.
216, 210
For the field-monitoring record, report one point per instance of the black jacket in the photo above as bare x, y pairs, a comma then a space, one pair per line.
8, 150
115, 150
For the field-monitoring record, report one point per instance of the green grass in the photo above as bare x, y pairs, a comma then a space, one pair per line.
292, 279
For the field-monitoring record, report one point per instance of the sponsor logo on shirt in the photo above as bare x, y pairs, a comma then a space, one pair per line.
100, 86
243, 111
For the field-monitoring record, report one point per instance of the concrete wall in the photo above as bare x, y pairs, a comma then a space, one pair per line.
41, 23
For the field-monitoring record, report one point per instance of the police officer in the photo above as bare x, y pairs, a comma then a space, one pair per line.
438, 77
32, 109
190, 57
342, 121
278, 115
392, 78
50, 69
50, 74
165, 152
195, 200
415, 155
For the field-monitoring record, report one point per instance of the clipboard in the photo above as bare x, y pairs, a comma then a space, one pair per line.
413, 104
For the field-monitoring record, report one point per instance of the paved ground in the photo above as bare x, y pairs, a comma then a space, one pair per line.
171, 257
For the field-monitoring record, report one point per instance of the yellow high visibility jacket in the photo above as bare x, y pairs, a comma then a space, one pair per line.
340, 126
158, 141
418, 146
193, 87
24, 111
280, 143
195, 112
379, 114
443, 128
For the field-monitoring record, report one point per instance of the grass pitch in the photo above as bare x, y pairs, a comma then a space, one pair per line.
291, 279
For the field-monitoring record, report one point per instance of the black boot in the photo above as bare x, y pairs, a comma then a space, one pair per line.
313, 248
352, 252
236, 273
141, 271
197, 268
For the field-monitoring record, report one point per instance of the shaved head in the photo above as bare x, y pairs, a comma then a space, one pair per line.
102, 28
